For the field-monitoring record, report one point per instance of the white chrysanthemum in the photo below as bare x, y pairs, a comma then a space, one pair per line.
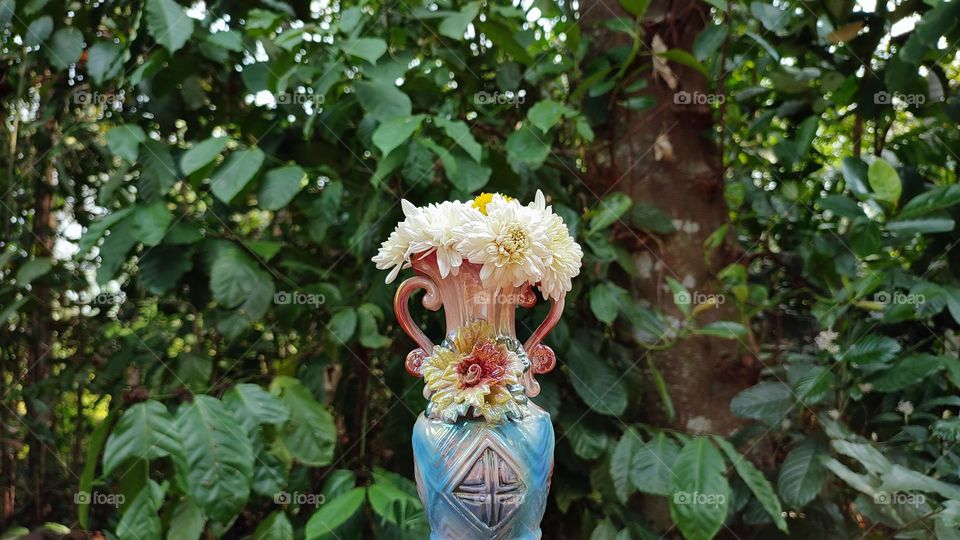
425, 230
563, 263
509, 242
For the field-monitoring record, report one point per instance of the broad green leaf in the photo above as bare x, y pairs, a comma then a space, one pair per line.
652, 466
343, 325
460, 133
635, 7
756, 481
868, 456
64, 48
871, 349
588, 442
545, 114
527, 147
146, 431
124, 141
158, 171
396, 131
801, 476
187, 522
104, 61
280, 186
938, 198
907, 371
150, 222
38, 31
901, 479
681, 56
723, 329
855, 174
699, 490
168, 23
621, 462
369, 49
202, 153
708, 41
503, 37
140, 519
454, 26
233, 276
252, 405
937, 223
608, 211
234, 173
884, 181
219, 457
33, 269
310, 434
94, 446
773, 18
651, 218
368, 316
768, 401
161, 267
334, 513
276, 527
606, 300
598, 384
382, 101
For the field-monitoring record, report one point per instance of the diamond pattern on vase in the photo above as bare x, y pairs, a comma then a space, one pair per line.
491, 491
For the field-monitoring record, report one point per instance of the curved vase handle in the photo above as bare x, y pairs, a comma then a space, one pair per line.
431, 301
542, 358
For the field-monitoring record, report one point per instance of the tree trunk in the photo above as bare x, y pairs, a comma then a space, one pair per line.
664, 156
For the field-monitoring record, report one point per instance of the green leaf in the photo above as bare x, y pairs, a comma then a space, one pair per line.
146, 431
33, 269
598, 384
310, 434
234, 174
699, 490
370, 336
708, 41
938, 223
773, 18
141, 520
652, 468
276, 527
187, 522
681, 297
454, 26
606, 300
503, 37
608, 211
768, 401
38, 31
382, 101
650, 218
526, 147
343, 325
150, 222
460, 133
396, 131
801, 476
868, 456
64, 48
162, 267
124, 141
158, 171
723, 329
334, 513
587, 441
104, 61
907, 371
233, 276
168, 23
681, 56
254, 406
635, 7
201, 154
219, 457
871, 349
756, 481
855, 173
884, 181
938, 198
621, 461
545, 114
280, 186
369, 49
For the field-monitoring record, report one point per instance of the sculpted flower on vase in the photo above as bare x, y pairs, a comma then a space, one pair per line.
475, 373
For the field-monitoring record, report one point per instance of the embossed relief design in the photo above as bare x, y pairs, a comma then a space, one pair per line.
491, 491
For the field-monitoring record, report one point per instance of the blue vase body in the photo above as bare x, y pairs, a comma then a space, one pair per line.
482, 481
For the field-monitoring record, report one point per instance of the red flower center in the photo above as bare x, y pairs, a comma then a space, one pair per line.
487, 363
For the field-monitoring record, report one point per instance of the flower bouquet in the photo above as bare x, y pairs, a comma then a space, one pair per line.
483, 452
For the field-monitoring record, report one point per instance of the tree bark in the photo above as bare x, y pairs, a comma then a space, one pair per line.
665, 156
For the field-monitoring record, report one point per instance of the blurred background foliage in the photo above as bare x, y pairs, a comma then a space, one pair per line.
195, 343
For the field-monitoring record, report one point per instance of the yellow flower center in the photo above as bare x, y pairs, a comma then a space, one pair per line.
513, 241
482, 200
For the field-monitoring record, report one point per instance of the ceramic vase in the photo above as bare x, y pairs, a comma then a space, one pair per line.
481, 479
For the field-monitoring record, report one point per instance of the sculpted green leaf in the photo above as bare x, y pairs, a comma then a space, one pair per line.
801, 476
276, 527
253, 405
599, 385
168, 23
150, 222
652, 465
334, 513
280, 186
621, 461
396, 131
699, 490
146, 431
309, 434
756, 481
187, 522
202, 153
460, 133
382, 101
140, 520
767, 401
234, 173
219, 457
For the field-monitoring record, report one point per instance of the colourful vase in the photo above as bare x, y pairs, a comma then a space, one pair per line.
481, 479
